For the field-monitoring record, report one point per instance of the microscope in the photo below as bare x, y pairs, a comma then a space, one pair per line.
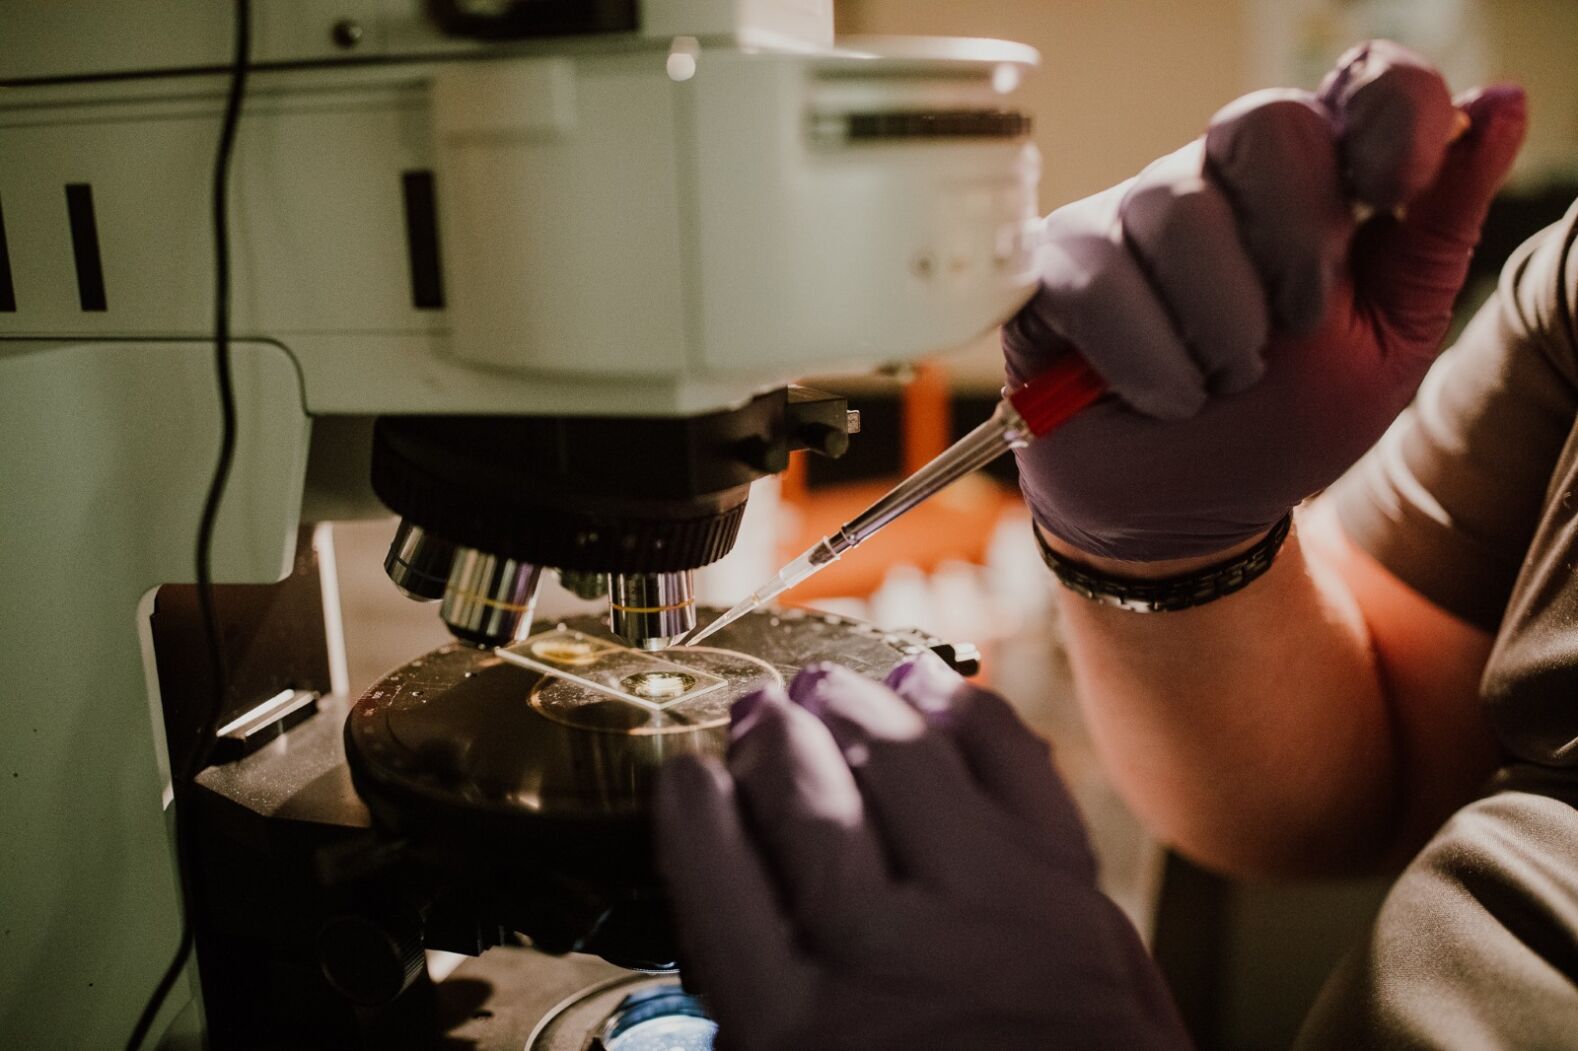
535, 276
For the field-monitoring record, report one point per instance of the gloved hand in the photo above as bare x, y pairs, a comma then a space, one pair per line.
874, 872
1257, 336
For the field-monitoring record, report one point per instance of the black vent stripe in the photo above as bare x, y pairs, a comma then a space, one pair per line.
421, 238
924, 124
85, 246
7, 289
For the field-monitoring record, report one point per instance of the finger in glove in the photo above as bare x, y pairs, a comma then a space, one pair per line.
1094, 296
1010, 762
1180, 226
738, 945
1274, 154
1410, 269
931, 814
807, 815
1395, 119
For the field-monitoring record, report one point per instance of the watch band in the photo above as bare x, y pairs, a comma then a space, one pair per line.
1168, 594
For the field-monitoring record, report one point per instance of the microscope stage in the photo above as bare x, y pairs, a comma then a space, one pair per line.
524, 794
497, 732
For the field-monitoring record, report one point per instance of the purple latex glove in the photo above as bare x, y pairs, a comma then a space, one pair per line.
1258, 337
880, 869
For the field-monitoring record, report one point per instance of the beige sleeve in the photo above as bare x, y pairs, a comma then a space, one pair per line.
1449, 499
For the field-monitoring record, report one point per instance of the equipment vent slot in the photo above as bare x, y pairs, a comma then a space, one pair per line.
421, 238
85, 246
893, 125
7, 289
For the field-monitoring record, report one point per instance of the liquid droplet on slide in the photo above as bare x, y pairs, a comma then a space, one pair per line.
658, 685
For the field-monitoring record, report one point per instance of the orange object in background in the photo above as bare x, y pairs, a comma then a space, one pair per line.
956, 524
928, 417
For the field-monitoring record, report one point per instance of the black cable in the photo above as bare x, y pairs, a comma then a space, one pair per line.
202, 745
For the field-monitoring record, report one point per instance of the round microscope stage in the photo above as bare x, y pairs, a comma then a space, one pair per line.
463, 729
516, 784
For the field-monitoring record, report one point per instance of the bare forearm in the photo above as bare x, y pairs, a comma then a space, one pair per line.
1254, 733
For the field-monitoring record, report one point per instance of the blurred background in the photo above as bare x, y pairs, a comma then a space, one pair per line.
1121, 82
1124, 81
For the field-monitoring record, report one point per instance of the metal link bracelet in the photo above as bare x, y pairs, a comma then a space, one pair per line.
1168, 594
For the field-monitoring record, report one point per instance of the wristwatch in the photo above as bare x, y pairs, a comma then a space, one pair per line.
1184, 591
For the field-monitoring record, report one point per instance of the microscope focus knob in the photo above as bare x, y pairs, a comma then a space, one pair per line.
371, 961
823, 439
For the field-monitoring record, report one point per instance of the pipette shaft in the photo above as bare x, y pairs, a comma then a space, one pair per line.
1023, 415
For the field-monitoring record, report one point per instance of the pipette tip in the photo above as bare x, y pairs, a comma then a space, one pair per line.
701, 632
680, 640
692, 636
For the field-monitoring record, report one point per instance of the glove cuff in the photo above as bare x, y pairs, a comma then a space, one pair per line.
1169, 593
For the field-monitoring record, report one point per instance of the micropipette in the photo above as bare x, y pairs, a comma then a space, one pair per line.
1024, 414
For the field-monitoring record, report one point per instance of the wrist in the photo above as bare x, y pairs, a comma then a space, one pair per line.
1159, 569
